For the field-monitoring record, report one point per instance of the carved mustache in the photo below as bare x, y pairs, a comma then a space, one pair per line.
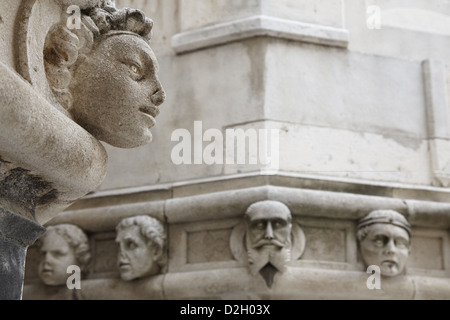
265, 242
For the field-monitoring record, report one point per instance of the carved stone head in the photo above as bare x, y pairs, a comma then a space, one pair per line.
141, 242
385, 239
62, 246
268, 236
105, 74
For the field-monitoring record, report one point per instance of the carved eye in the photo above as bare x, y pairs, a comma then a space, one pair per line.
135, 69
258, 225
278, 224
130, 245
59, 254
379, 241
137, 72
401, 243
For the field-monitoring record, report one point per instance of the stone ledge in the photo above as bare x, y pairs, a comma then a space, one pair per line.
232, 204
236, 283
259, 26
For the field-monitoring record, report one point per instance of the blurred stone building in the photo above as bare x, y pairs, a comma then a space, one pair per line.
357, 93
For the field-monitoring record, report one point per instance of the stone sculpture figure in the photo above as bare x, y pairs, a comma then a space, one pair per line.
70, 86
62, 246
385, 239
105, 74
141, 242
268, 238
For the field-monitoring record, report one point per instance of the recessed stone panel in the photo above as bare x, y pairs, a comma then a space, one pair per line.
429, 252
104, 253
201, 245
325, 244
209, 246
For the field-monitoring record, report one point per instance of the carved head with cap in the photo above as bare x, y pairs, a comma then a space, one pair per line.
385, 239
105, 74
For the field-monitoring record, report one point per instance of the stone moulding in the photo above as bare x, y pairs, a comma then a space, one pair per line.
62, 152
232, 204
259, 26
234, 283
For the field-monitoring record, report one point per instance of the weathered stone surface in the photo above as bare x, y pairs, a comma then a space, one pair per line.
16, 234
21, 190
63, 154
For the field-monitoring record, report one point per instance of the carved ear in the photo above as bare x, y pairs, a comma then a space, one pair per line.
158, 253
61, 47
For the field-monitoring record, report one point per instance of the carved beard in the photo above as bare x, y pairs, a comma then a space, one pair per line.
276, 255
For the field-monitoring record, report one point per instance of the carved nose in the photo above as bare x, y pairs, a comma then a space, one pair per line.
390, 247
269, 232
158, 96
122, 258
48, 260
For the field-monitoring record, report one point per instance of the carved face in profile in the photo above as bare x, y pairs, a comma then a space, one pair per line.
116, 91
105, 75
139, 255
385, 242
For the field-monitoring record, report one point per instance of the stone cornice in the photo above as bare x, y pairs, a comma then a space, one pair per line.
257, 26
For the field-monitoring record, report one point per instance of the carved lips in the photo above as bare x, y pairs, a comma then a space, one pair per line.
151, 112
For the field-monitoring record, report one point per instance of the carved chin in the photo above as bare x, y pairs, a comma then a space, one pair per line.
120, 137
390, 269
128, 142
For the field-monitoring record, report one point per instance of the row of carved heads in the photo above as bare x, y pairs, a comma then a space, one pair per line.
141, 241
268, 239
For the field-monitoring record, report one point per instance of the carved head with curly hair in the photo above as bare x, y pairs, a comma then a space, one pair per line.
105, 74
61, 246
141, 242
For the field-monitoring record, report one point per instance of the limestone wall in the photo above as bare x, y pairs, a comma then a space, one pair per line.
365, 105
